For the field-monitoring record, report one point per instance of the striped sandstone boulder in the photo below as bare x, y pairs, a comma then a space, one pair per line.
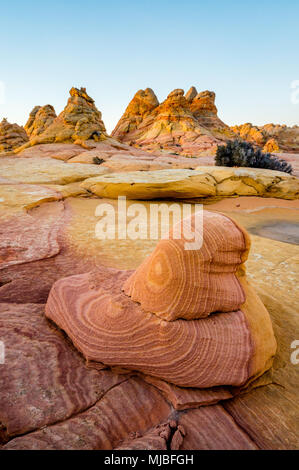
188, 317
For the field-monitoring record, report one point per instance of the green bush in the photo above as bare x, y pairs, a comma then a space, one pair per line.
240, 153
98, 161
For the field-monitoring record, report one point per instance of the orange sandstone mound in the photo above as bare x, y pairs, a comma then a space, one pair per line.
39, 119
11, 136
183, 124
205, 327
79, 121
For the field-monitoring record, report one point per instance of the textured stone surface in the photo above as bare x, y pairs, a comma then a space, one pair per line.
183, 398
44, 380
204, 182
212, 428
46, 170
11, 136
132, 406
15, 197
153, 184
29, 237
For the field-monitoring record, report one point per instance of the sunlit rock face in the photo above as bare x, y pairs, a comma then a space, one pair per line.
11, 136
79, 121
184, 123
188, 317
39, 119
205, 182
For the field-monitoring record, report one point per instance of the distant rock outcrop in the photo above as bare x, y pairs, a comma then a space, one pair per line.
79, 121
161, 319
273, 137
183, 124
39, 119
11, 136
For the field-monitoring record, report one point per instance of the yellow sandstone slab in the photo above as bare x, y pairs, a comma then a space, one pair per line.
45, 170
152, 184
203, 182
16, 197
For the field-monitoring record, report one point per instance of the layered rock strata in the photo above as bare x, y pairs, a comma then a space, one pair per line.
184, 124
11, 136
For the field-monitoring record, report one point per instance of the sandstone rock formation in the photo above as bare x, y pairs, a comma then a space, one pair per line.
39, 119
183, 124
273, 137
11, 136
204, 182
71, 406
79, 121
153, 337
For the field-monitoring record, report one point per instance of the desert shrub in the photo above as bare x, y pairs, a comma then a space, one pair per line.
98, 161
240, 153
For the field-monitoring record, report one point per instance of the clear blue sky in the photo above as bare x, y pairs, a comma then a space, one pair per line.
247, 52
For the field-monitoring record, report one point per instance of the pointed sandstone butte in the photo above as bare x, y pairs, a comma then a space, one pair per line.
229, 348
191, 93
39, 119
79, 121
140, 107
11, 136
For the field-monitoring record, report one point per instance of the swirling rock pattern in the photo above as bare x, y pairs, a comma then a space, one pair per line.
207, 352
177, 283
184, 353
